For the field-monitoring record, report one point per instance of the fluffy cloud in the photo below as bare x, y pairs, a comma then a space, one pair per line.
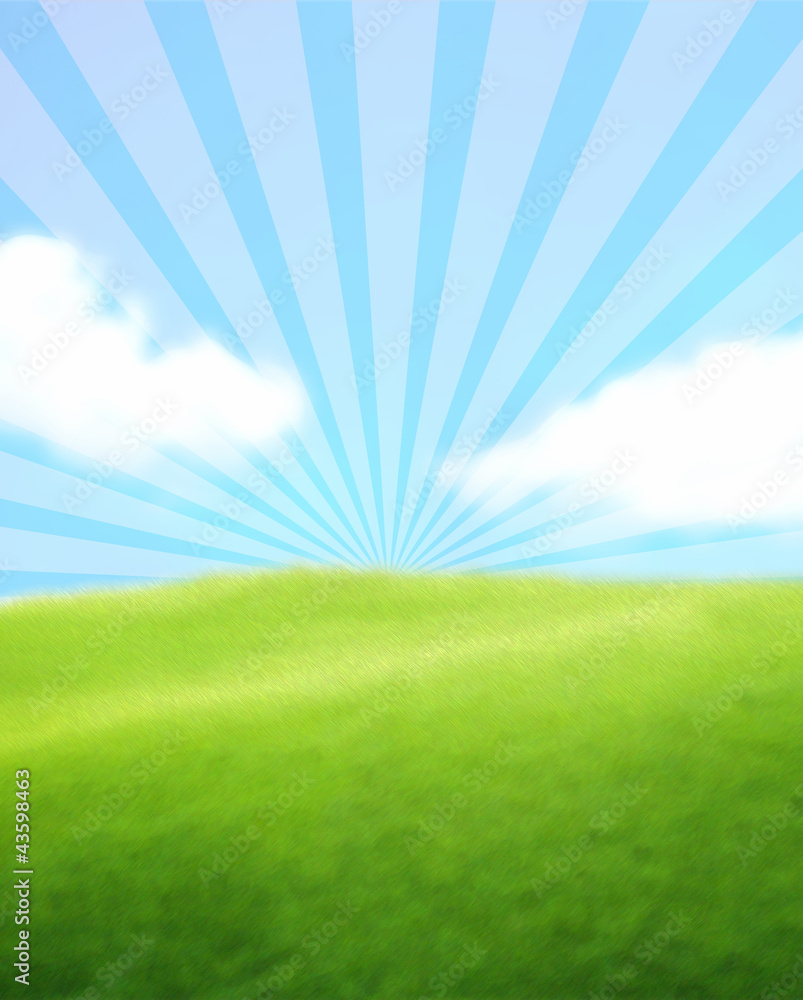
77, 371
721, 438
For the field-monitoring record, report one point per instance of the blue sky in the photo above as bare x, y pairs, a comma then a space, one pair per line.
415, 274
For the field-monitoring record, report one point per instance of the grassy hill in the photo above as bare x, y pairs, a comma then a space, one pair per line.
336, 785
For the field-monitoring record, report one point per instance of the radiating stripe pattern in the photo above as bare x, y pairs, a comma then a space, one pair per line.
455, 229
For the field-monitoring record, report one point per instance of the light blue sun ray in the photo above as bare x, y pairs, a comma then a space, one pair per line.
779, 222
462, 40
687, 128
606, 31
533, 498
50, 72
49, 522
34, 448
187, 459
590, 512
129, 210
790, 328
763, 43
259, 461
763, 237
700, 533
17, 218
191, 47
333, 88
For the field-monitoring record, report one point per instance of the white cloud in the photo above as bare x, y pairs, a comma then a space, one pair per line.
78, 374
709, 439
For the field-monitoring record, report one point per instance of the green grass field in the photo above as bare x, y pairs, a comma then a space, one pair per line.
346, 786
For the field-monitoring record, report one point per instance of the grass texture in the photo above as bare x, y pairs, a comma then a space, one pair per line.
341, 785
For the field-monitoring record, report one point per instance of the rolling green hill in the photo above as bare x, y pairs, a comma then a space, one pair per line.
345, 785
